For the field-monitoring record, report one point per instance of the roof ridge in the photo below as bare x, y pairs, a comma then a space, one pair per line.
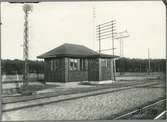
72, 44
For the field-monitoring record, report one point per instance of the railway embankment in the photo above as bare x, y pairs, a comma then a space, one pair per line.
93, 107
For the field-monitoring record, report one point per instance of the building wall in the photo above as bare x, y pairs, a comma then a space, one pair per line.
46, 70
56, 74
98, 70
78, 75
106, 72
66, 66
93, 69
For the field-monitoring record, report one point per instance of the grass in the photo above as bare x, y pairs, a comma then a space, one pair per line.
28, 90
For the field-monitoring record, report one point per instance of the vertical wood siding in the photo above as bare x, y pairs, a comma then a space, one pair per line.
92, 73
93, 69
78, 75
57, 74
106, 71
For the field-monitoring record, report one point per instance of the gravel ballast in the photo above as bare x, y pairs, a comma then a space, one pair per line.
89, 108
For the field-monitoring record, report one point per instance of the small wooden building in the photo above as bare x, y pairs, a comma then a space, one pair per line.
70, 62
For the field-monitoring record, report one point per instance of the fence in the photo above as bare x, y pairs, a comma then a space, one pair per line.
18, 77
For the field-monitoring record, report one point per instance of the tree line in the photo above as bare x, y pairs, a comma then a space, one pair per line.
140, 65
122, 65
17, 66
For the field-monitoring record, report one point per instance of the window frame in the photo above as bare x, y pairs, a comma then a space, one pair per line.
73, 64
83, 64
54, 64
104, 62
51, 65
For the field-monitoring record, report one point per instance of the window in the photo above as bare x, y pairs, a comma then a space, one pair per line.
74, 64
77, 64
104, 63
71, 64
54, 64
108, 63
51, 65
83, 64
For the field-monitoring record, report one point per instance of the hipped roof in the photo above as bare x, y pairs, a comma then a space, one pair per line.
72, 50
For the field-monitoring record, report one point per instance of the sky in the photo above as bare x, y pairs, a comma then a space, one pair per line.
53, 24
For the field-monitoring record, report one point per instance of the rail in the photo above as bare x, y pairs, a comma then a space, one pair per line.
160, 115
143, 108
54, 94
69, 97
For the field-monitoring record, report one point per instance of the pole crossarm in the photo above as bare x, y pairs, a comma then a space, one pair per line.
104, 35
108, 31
109, 27
105, 32
104, 29
108, 49
121, 37
106, 23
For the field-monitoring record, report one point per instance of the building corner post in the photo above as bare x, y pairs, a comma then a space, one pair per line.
0, 70
66, 70
100, 73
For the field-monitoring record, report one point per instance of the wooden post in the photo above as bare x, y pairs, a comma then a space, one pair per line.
66, 69
112, 70
100, 75
0, 73
99, 40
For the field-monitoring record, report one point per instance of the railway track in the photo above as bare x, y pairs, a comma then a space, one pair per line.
142, 111
162, 115
24, 104
11, 99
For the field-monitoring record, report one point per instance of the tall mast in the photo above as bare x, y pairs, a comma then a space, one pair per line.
148, 61
26, 8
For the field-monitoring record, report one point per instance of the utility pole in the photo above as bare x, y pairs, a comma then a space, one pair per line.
121, 48
0, 70
94, 28
121, 35
105, 31
99, 39
148, 61
26, 8
113, 35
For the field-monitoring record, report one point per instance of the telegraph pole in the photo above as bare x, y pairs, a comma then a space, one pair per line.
26, 8
121, 35
94, 28
148, 61
99, 39
105, 31
121, 48
0, 70
113, 35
